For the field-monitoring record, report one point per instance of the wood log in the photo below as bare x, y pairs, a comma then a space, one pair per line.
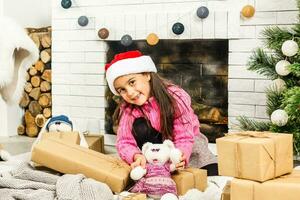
35, 81
21, 129
45, 55
39, 66
28, 87
35, 39
34, 108
45, 86
25, 100
40, 120
32, 71
45, 40
35, 93
32, 130
29, 119
47, 75
47, 112
45, 100
48, 65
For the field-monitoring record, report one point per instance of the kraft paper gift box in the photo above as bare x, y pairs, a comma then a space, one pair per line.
66, 137
95, 142
190, 178
74, 159
226, 192
256, 156
286, 187
135, 196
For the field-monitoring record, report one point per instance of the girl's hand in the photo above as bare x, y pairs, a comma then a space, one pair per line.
139, 160
182, 162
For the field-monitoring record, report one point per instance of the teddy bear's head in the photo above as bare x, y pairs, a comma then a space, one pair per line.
157, 153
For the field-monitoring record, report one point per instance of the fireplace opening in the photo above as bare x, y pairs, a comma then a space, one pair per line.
200, 67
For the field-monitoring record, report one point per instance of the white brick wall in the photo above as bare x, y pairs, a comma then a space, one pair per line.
79, 55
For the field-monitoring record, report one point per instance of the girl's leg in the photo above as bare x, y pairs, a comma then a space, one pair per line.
212, 169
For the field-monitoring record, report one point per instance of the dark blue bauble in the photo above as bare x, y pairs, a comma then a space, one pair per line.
126, 40
178, 28
66, 4
83, 20
202, 12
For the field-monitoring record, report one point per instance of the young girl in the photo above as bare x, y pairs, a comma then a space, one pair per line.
152, 110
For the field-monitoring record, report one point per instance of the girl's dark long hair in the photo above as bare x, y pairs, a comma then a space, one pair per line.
165, 102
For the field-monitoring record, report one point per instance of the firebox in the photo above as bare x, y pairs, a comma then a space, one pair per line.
200, 67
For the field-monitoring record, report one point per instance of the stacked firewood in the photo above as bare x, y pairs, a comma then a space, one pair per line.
36, 99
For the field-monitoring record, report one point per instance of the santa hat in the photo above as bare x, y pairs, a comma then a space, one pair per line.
130, 62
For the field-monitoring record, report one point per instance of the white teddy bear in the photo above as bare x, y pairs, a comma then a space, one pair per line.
155, 180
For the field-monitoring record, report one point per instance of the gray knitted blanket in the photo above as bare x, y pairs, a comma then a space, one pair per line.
26, 183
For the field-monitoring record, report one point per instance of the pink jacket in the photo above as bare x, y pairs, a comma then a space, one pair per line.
186, 127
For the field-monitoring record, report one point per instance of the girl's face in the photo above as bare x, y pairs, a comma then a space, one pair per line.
134, 88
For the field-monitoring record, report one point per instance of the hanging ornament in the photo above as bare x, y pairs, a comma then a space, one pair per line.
248, 11
279, 117
202, 12
178, 28
279, 84
83, 20
289, 48
152, 39
126, 40
103, 33
66, 4
282, 68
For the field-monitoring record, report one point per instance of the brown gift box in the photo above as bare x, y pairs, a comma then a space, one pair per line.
256, 156
190, 178
226, 192
74, 159
95, 142
66, 137
135, 196
283, 188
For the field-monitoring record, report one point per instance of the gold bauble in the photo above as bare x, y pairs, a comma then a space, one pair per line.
248, 11
152, 39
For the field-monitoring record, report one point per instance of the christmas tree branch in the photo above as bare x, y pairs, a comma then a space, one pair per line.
252, 125
263, 64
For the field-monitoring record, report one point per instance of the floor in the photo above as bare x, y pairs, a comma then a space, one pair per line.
22, 144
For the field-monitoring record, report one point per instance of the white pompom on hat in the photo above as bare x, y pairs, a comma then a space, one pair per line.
130, 62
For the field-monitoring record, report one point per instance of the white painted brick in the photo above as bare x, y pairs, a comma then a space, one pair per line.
85, 79
209, 26
67, 57
235, 110
196, 26
96, 91
242, 72
140, 23
162, 25
61, 79
87, 68
288, 17
172, 19
275, 5
249, 98
79, 124
91, 23
61, 13
130, 25
60, 110
77, 46
60, 89
233, 124
221, 23
66, 35
238, 58
60, 68
119, 22
233, 24
62, 100
244, 45
260, 18
247, 32
60, 24
95, 57
60, 46
185, 20
262, 85
102, 125
87, 112
240, 85
151, 23
260, 112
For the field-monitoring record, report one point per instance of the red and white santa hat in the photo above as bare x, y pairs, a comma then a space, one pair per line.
130, 62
